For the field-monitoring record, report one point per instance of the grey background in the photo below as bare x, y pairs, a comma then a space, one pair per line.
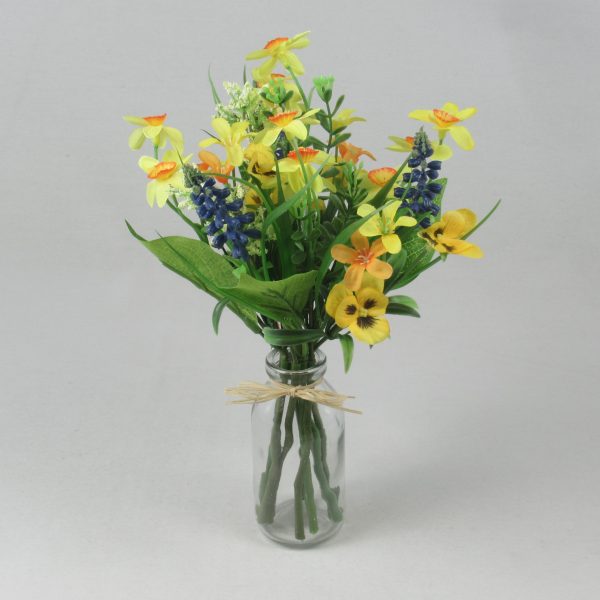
473, 472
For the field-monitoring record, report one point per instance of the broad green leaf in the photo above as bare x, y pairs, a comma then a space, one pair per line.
291, 337
347, 344
404, 301
217, 312
401, 309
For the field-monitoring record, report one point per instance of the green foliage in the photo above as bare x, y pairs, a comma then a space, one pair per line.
291, 337
347, 344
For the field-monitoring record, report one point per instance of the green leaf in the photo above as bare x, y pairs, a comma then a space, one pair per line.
291, 337
217, 312
402, 305
338, 104
213, 89
347, 344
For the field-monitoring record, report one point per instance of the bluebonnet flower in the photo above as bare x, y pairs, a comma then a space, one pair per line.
224, 221
419, 188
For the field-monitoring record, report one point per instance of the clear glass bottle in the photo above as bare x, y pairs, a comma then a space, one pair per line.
298, 451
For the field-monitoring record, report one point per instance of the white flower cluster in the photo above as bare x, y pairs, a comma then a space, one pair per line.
245, 104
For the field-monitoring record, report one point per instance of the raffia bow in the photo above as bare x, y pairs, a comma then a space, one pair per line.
250, 392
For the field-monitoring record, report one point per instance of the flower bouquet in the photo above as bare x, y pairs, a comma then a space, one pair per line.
295, 233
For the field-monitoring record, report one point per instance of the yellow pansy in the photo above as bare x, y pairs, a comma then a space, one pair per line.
445, 235
447, 119
344, 118
166, 176
152, 128
230, 137
361, 312
261, 158
279, 50
293, 125
291, 169
384, 224
405, 144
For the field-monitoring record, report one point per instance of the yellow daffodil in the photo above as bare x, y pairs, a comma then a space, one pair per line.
166, 176
230, 137
261, 158
362, 257
152, 128
211, 163
445, 235
344, 118
351, 153
384, 224
446, 120
440, 151
279, 50
293, 125
291, 169
361, 312
374, 180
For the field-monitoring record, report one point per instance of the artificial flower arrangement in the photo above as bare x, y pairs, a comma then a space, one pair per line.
305, 240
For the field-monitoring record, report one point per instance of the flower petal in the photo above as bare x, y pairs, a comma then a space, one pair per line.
372, 227
343, 254
175, 136
451, 108
373, 301
441, 152
460, 247
465, 113
422, 115
359, 241
296, 129
405, 222
368, 281
347, 311
377, 249
137, 139
470, 219
365, 209
453, 224
146, 163
380, 269
391, 243
336, 295
370, 330
462, 137
353, 277
389, 212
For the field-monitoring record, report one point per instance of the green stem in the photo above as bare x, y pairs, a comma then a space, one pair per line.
322, 436
306, 440
327, 493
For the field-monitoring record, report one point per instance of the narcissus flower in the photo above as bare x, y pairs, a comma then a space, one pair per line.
375, 179
405, 144
362, 257
446, 120
384, 224
261, 158
361, 312
211, 163
279, 50
351, 153
291, 169
230, 137
292, 125
166, 176
445, 235
152, 128
344, 118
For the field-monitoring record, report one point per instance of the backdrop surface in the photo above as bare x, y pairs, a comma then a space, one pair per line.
474, 469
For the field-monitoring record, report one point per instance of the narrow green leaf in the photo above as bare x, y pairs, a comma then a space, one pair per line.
213, 89
404, 301
338, 104
401, 309
291, 337
347, 344
217, 312
483, 220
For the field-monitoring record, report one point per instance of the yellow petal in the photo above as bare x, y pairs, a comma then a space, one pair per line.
422, 115
460, 247
152, 131
368, 281
270, 135
235, 155
257, 54
389, 212
453, 224
465, 113
292, 62
300, 40
238, 130
370, 330
208, 142
365, 209
451, 108
151, 192
336, 295
221, 127
175, 136
296, 129
470, 219
136, 120
372, 227
405, 222
441, 152
373, 301
462, 137
147, 163
137, 139
391, 242
347, 311
288, 165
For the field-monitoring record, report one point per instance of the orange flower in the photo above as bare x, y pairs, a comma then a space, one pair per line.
212, 163
351, 153
361, 258
381, 176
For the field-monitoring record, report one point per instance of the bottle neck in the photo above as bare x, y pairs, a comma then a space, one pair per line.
284, 367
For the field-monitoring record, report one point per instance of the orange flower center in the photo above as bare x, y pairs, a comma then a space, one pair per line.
381, 176
272, 44
307, 154
443, 117
364, 257
278, 76
410, 139
284, 119
162, 170
155, 120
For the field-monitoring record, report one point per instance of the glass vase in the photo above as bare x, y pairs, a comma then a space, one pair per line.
298, 452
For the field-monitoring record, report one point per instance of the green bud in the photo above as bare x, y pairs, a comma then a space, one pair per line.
324, 86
